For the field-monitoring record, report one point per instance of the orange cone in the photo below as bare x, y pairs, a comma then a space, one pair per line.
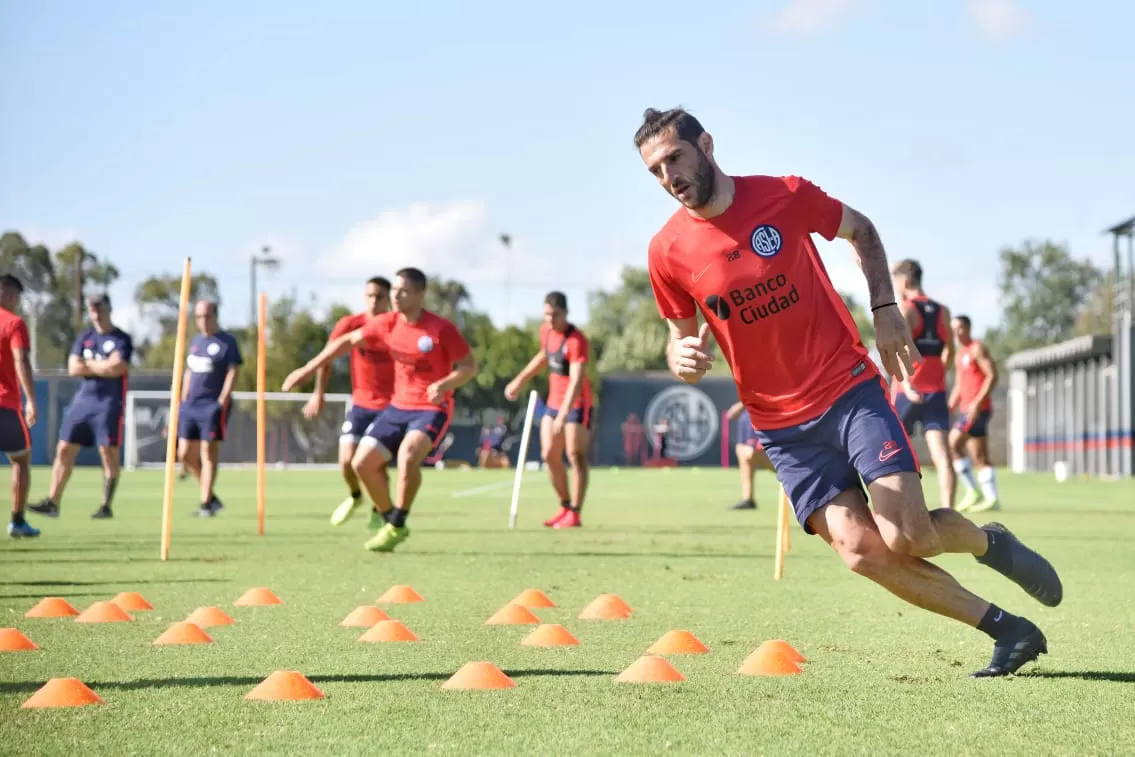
479, 675
258, 597
606, 607
533, 599
400, 595
550, 635
132, 601
63, 692
11, 640
52, 607
650, 669
285, 685
389, 630
184, 633
207, 617
768, 661
103, 612
786, 650
512, 615
678, 642
364, 616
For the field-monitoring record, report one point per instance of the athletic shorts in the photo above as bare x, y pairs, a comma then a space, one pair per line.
90, 424
746, 434
977, 427
933, 413
580, 415
14, 436
202, 421
392, 424
857, 440
356, 423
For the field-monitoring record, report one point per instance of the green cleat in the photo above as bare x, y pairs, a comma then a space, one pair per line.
387, 538
345, 510
968, 501
377, 520
985, 505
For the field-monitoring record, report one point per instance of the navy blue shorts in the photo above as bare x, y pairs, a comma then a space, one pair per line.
14, 436
859, 437
201, 421
746, 434
356, 423
91, 424
978, 427
580, 415
933, 413
392, 424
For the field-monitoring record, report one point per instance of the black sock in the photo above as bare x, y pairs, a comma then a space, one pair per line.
108, 487
999, 555
566, 504
996, 622
355, 494
397, 518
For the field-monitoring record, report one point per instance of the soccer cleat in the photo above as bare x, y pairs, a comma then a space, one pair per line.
345, 510
563, 513
45, 507
387, 538
571, 520
1026, 568
22, 530
377, 520
985, 505
745, 504
970, 499
1014, 650
102, 513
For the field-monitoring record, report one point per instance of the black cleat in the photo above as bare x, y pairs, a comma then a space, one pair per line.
45, 507
1023, 645
1023, 566
745, 504
102, 513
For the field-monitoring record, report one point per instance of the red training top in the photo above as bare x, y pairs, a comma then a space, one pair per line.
423, 352
372, 370
930, 336
562, 349
13, 335
971, 377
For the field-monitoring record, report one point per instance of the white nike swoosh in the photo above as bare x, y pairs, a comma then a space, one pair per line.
697, 276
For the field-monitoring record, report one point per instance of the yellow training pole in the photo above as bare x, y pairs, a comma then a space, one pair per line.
787, 507
174, 407
781, 535
261, 408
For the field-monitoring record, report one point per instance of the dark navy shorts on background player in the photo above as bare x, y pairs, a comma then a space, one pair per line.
746, 434
580, 415
14, 436
392, 425
933, 413
978, 427
90, 425
204, 421
860, 436
355, 426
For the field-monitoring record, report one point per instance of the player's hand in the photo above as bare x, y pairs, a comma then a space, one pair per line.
558, 423
690, 357
435, 392
971, 411
295, 378
313, 406
30, 413
912, 395
512, 391
894, 342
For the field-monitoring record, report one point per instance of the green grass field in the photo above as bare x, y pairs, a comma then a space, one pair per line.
882, 677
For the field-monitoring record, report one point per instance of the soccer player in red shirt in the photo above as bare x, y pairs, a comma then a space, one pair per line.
740, 252
975, 375
431, 360
16, 416
372, 383
921, 400
567, 423
750, 455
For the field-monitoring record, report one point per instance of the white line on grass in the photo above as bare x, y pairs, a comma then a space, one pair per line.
482, 489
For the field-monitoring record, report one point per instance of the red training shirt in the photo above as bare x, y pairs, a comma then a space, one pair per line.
372, 370
561, 350
971, 378
423, 352
13, 335
757, 278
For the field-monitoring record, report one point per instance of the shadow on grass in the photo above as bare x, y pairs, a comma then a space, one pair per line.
40, 595
117, 583
593, 554
1084, 675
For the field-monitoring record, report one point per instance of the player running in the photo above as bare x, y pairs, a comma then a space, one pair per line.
975, 375
740, 252
372, 382
921, 399
566, 424
16, 417
750, 455
212, 363
491, 452
431, 360
101, 356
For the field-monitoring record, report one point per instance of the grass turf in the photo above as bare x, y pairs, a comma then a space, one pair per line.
883, 677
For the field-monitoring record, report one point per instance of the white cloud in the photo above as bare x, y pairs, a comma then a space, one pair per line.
810, 16
998, 20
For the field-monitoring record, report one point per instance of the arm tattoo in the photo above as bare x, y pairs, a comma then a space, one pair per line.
873, 261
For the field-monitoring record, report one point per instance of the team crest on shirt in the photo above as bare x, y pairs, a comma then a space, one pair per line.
213, 348
108, 345
766, 240
425, 343
88, 353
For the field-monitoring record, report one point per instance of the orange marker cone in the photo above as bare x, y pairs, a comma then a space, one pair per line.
400, 595
184, 633
285, 685
785, 650
678, 642
11, 640
258, 597
550, 635
52, 607
650, 669
479, 675
512, 615
103, 612
364, 616
207, 617
132, 601
63, 692
606, 607
533, 599
389, 630
768, 661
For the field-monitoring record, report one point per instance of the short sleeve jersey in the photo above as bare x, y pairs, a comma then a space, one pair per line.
93, 345
424, 352
208, 360
372, 370
756, 276
13, 335
970, 377
562, 349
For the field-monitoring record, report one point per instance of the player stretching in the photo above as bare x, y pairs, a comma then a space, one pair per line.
372, 381
101, 356
567, 422
921, 400
431, 360
750, 456
740, 252
212, 364
975, 375
16, 417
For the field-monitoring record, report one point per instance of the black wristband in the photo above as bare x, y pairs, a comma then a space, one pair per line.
884, 305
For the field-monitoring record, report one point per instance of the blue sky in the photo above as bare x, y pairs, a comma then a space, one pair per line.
366, 136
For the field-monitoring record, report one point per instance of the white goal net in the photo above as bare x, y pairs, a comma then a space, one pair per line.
290, 439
